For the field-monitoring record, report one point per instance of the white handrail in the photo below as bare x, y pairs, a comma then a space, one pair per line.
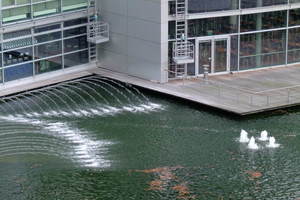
98, 30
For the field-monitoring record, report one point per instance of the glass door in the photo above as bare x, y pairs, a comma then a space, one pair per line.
205, 55
214, 52
220, 55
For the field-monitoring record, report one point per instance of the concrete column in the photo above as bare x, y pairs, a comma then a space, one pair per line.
164, 40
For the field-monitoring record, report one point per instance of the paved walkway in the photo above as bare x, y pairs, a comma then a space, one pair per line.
241, 93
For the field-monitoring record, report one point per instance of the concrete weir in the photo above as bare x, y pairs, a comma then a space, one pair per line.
240, 93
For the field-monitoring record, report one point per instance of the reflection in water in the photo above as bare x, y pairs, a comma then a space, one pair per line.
165, 179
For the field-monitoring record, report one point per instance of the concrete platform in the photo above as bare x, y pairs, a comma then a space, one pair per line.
39, 81
241, 93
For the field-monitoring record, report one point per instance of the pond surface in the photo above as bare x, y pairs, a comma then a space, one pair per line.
96, 139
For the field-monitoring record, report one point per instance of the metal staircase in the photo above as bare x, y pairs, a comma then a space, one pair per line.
183, 50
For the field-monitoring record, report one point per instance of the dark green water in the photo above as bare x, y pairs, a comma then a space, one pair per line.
164, 150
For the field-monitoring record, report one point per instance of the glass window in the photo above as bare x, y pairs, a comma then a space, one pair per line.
46, 8
294, 45
212, 26
17, 72
69, 5
14, 2
294, 18
17, 43
262, 49
196, 6
47, 50
41, 29
16, 34
77, 58
234, 53
75, 31
16, 14
48, 65
263, 21
75, 44
47, 37
261, 3
75, 22
17, 56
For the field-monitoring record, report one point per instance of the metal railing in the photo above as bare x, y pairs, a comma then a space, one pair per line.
268, 98
183, 50
98, 30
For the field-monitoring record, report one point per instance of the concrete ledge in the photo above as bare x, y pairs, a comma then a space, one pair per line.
243, 94
44, 80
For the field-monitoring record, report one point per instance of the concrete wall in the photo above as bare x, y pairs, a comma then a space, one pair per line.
139, 38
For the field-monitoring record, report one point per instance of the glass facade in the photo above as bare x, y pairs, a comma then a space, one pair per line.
20, 10
244, 37
42, 49
45, 48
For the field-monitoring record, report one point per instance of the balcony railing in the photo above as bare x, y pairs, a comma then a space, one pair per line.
98, 32
183, 52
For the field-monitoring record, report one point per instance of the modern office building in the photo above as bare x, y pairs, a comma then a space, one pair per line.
43, 36
167, 39
157, 40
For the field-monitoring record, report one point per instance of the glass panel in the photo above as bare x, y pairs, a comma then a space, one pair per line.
234, 53
16, 34
47, 50
48, 65
69, 5
196, 6
262, 49
220, 58
294, 45
260, 3
294, 18
212, 26
75, 44
1, 76
47, 37
17, 43
46, 8
17, 72
77, 58
14, 2
17, 56
75, 31
75, 22
16, 14
294, 1
263, 21
205, 55
46, 28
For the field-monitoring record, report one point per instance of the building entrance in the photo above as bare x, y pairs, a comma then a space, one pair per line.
215, 53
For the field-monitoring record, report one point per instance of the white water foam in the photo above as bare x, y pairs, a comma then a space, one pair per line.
100, 111
86, 150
